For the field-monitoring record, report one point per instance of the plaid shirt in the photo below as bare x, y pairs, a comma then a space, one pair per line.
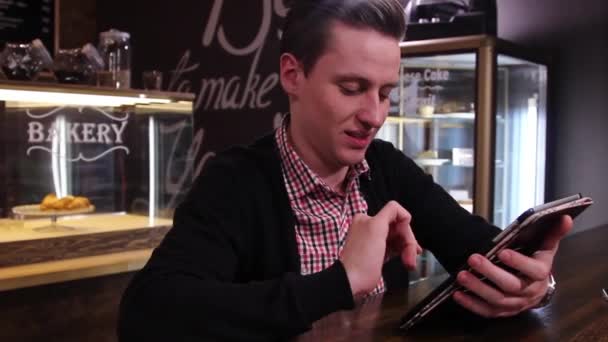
322, 215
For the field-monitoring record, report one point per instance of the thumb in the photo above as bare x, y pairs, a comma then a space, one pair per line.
561, 227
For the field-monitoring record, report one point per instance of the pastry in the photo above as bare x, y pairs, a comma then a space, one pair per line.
62, 203
428, 154
426, 110
51, 201
79, 203
47, 201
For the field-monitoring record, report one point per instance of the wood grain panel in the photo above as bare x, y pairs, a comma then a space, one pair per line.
71, 269
67, 247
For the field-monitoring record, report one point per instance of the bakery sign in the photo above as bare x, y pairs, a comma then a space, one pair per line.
50, 132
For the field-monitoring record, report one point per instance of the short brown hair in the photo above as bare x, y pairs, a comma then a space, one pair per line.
308, 22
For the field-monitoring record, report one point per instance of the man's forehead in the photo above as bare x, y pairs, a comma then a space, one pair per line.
354, 50
348, 39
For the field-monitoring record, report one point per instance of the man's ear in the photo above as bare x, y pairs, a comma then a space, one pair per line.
291, 74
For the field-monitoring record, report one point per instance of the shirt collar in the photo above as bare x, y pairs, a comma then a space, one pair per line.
303, 179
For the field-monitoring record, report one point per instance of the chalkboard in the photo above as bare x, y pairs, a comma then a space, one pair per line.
21, 21
225, 52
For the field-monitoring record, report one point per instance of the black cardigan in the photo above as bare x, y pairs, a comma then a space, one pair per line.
229, 267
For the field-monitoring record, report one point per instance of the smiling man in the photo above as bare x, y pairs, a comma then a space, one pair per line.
276, 235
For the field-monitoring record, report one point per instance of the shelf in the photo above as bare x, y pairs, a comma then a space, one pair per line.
464, 116
431, 161
440, 162
420, 118
39, 93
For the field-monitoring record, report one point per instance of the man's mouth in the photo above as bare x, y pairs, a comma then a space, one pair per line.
359, 134
359, 139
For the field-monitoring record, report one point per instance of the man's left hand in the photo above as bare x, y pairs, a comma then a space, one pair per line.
513, 293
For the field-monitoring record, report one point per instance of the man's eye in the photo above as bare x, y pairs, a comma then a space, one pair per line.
349, 90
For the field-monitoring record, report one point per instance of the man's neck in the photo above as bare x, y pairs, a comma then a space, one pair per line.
337, 181
333, 176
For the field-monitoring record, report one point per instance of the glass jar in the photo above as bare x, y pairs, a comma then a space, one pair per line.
115, 50
24, 61
77, 66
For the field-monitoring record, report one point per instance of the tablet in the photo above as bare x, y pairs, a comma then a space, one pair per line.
525, 234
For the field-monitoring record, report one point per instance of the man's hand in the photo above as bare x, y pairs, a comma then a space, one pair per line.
366, 246
513, 294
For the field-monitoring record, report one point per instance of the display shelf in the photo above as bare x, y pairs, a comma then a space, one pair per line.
24, 93
121, 148
415, 118
426, 162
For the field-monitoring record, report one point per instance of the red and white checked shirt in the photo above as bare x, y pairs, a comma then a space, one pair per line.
322, 215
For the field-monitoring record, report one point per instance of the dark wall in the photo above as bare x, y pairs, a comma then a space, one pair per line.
77, 23
225, 52
575, 35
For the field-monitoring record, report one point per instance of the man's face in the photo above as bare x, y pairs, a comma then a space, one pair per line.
339, 106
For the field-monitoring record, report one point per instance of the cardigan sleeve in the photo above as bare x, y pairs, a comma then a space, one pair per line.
190, 288
439, 223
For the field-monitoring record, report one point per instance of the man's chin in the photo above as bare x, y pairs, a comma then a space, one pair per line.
352, 157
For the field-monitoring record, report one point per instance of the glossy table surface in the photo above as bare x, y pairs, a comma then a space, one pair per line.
578, 312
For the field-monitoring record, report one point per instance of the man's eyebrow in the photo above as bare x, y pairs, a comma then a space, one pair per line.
351, 78
361, 80
391, 85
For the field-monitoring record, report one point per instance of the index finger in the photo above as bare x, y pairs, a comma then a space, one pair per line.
398, 220
536, 268
410, 247
392, 212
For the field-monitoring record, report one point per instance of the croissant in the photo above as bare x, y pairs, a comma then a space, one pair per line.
47, 201
62, 203
51, 201
78, 203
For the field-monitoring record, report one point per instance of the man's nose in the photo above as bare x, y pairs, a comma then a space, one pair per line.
371, 112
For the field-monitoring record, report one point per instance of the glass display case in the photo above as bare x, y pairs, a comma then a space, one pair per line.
471, 111
126, 151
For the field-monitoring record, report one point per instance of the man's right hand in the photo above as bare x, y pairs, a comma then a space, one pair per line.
366, 246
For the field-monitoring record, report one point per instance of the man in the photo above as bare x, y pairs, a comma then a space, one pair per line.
274, 236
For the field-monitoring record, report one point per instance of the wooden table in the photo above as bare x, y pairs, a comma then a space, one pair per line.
577, 313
